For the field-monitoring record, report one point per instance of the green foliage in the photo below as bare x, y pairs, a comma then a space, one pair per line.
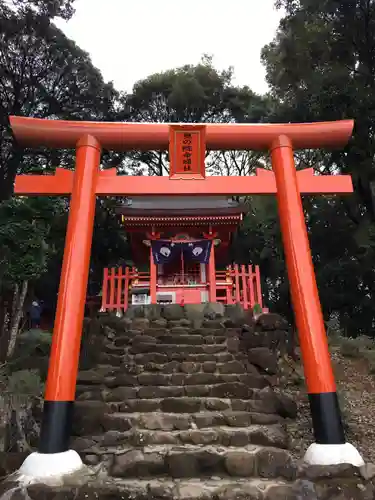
36, 337
320, 67
25, 383
20, 387
31, 353
198, 94
44, 8
257, 309
25, 225
43, 74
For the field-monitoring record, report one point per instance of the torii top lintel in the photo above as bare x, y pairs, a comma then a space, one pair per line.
151, 136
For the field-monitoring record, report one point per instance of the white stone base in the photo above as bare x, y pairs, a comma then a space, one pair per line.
333, 454
49, 468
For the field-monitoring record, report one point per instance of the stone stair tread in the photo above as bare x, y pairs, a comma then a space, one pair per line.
179, 489
187, 404
170, 367
163, 380
186, 461
155, 347
207, 489
202, 419
258, 435
168, 449
225, 389
129, 334
161, 358
186, 339
211, 483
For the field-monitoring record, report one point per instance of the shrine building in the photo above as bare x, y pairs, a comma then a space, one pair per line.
180, 249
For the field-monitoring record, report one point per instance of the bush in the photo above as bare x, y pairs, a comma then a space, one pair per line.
36, 336
370, 356
32, 352
355, 348
21, 385
350, 348
21, 392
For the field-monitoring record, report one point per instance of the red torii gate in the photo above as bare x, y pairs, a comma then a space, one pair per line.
88, 181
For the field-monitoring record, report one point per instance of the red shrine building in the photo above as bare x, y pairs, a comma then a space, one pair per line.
180, 248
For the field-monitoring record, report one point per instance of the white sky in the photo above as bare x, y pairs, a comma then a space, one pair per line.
130, 40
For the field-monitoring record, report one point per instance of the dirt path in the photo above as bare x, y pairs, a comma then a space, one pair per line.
356, 388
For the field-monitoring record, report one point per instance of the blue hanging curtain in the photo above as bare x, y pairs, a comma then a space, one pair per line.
165, 252
198, 251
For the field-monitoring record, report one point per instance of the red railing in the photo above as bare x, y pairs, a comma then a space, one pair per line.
240, 284
237, 284
116, 283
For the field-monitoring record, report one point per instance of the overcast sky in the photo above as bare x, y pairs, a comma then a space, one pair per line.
129, 40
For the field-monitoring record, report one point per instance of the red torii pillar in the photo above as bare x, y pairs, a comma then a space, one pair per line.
87, 182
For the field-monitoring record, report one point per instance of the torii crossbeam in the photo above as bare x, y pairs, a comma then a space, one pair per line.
110, 184
187, 146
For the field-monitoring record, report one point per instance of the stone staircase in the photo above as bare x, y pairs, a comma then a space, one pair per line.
174, 409
187, 403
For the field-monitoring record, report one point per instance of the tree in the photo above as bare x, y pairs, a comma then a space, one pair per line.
321, 67
45, 8
43, 74
25, 227
195, 94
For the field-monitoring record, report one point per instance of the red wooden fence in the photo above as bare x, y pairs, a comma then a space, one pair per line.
241, 284
237, 284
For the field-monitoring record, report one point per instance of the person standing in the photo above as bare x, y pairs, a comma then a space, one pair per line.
35, 314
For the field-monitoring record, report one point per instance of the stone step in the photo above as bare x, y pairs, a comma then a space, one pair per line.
184, 421
271, 404
238, 390
187, 349
177, 340
122, 337
130, 368
179, 326
179, 379
91, 417
163, 358
190, 461
227, 488
270, 436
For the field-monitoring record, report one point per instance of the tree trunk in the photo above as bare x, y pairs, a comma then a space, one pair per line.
17, 310
4, 327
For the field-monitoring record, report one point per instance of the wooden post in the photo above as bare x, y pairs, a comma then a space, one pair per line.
230, 288
105, 290
126, 291
258, 286
245, 278
212, 275
153, 277
251, 286
112, 288
119, 290
237, 283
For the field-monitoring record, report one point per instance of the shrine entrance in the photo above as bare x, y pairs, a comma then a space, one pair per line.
187, 148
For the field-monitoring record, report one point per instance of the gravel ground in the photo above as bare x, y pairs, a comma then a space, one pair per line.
356, 388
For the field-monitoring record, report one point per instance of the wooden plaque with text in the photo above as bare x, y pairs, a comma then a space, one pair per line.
187, 151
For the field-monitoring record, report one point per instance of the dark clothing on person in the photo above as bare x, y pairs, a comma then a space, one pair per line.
35, 313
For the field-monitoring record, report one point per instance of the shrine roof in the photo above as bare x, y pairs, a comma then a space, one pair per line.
180, 206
